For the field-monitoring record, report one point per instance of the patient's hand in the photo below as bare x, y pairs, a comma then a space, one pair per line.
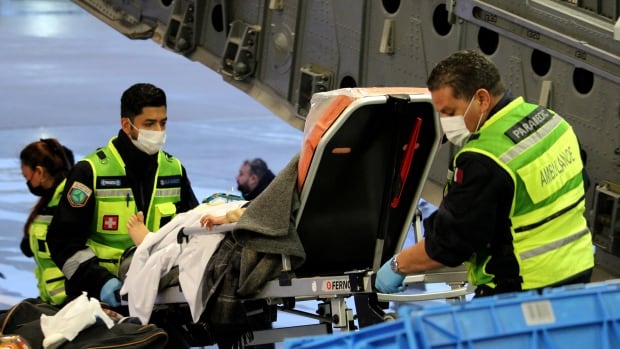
209, 221
136, 228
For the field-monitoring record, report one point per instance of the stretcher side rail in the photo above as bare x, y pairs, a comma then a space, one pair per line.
329, 286
325, 287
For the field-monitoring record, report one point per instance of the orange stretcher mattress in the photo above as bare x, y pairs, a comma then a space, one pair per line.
326, 107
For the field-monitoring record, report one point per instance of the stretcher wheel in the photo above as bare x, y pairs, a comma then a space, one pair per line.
390, 316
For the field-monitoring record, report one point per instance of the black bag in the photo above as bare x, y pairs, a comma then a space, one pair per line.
24, 319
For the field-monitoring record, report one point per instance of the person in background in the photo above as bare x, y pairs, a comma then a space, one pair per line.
515, 200
45, 165
254, 176
88, 233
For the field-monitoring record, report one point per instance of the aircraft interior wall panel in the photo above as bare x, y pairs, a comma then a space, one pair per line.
587, 20
394, 52
317, 44
350, 40
277, 56
149, 9
251, 12
213, 28
567, 32
440, 38
214, 23
326, 32
592, 23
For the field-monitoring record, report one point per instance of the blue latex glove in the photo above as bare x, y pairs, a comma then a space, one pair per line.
388, 281
110, 292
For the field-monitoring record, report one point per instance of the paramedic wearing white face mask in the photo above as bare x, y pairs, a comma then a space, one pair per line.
455, 128
147, 140
513, 210
131, 173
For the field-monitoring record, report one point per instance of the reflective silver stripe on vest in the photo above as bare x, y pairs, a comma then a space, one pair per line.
56, 291
43, 218
122, 193
168, 192
554, 245
113, 192
531, 140
72, 264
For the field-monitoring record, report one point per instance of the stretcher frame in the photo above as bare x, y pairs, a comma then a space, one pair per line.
334, 289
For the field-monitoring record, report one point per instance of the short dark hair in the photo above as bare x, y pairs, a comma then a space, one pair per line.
258, 167
466, 71
141, 95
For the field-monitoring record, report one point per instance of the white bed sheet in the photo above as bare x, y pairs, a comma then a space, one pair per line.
159, 252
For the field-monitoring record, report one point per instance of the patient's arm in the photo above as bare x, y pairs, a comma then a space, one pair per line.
231, 216
209, 221
136, 228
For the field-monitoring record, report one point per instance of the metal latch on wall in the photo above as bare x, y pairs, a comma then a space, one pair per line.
313, 79
605, 221
239, 58
180, 31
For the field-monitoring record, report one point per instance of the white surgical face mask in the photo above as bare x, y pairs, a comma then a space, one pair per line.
455, 128
149, 141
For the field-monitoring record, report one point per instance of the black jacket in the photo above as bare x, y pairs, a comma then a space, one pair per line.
70, 227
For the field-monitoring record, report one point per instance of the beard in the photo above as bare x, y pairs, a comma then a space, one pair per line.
243, 188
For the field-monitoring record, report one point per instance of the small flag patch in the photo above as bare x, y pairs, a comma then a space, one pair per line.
458, 175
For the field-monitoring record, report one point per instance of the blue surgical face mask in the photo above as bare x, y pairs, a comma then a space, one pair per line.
455, 128
149, 141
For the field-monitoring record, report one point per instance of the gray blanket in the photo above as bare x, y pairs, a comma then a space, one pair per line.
251, 255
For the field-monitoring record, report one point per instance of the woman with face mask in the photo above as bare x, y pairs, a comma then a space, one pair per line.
45, 165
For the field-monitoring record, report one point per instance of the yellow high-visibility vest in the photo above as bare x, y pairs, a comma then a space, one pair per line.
115, 203
540, 152
50, 279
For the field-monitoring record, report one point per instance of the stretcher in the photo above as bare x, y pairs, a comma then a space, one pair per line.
365, 157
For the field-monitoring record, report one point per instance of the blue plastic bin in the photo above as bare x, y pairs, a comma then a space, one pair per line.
582, 316
386, 335
578, 316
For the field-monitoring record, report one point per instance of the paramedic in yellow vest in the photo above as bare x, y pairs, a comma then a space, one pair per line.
515, 203
131, 173
45, 165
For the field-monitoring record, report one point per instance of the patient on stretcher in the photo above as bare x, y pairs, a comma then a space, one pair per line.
157, 253
216, 271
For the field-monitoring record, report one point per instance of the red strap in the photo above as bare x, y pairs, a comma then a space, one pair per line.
407, 159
